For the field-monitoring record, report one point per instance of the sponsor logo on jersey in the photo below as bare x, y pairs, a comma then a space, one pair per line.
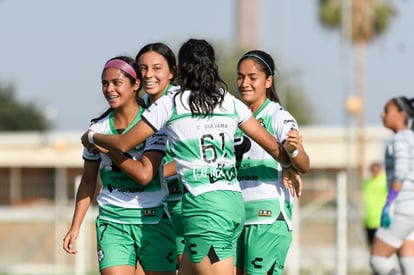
111, 188
286, 121
248, 177
215, 174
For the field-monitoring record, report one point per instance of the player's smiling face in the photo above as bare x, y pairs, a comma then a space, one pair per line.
117, 88
252, 81
156, 74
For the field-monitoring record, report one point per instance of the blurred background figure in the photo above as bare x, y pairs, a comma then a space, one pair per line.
374, 195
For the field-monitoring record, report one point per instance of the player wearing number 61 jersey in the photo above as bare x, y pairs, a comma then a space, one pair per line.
203, 148
204, 157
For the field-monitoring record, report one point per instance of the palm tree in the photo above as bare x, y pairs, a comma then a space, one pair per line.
369, 20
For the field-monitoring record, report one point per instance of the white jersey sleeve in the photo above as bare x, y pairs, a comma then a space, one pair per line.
244, 112
283, 122
160, 111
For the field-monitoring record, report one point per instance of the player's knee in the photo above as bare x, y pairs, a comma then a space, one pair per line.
383, 265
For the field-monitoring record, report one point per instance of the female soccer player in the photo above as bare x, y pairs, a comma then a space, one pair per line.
158, 67
267, 233
132, 223
396, 234
201, 120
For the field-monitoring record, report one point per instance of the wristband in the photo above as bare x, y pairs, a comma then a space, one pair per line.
90, 137
294, 153
286, 165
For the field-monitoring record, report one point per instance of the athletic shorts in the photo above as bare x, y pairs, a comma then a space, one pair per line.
402, 226
123, 244
263, 248
213, 221
174, 207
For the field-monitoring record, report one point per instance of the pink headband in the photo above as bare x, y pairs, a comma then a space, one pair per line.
122, 65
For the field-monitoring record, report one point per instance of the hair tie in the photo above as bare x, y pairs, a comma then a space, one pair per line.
270, 71
122, 65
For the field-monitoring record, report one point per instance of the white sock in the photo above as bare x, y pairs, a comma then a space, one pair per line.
407, 265
383, 266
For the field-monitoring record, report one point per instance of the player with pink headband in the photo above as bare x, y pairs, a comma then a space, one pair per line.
122, 65
132, 224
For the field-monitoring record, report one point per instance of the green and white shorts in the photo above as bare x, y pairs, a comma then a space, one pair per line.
153, 245
213, 221
175, 209
263, 247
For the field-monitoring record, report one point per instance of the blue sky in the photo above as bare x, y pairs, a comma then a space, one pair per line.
54, 50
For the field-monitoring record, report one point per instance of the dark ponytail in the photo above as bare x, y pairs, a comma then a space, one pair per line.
199, 73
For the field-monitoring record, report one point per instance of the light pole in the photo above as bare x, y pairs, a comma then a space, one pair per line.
343, 180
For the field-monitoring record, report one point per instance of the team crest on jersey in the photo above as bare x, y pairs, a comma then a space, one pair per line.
261, 121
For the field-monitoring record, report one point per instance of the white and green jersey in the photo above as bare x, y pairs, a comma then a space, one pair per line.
259, 173
174, 188
122, 199
203, 147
